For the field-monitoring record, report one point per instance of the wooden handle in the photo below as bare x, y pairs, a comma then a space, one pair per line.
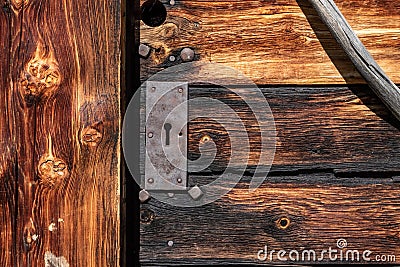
379, 82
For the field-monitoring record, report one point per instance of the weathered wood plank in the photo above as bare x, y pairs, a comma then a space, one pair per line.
377, 80
65, 72
344, 129
233, 229
273, 42
23, 87
8, 178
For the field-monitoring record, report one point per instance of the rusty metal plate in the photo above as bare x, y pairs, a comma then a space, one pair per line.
166, 136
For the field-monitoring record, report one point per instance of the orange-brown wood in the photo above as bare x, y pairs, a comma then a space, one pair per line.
8, 182
60, 125
273, 42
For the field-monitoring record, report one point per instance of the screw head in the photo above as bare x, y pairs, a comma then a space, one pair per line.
150, 135
144, 50
187, 54
195, 192
180, 90
144, 196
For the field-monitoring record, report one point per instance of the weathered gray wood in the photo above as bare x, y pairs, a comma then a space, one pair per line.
344, 129
387, 91
321, 210
334, 176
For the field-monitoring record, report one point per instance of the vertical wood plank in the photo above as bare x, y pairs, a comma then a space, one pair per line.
8, 194
22, 114
65, 58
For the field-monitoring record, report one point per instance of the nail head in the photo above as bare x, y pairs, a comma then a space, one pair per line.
187, 54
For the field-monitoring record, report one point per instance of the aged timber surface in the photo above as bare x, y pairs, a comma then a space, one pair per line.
315, 215
336, 168
60, 120
335, 175
338, 128
8, 177
273, 42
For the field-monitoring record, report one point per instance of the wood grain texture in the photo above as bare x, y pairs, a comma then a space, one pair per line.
343, 129
233, 229
274, 42
61, 94
335, 175
376, 78
8, 178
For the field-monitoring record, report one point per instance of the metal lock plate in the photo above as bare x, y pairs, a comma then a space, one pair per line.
166, 136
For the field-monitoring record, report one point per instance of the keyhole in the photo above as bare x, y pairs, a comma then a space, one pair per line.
167, 128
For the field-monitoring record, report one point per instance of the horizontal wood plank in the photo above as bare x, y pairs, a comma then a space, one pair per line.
344, 129
273, 42
233, 229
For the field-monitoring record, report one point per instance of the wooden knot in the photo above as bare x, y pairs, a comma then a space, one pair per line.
17, 5
51, 171
283, 223
146, 216
39, 78
161, 52
169, 30
7, 7
29, 236
91, 135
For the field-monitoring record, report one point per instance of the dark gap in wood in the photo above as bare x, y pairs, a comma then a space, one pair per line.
130, 78
19, 187
336, 173
285, 85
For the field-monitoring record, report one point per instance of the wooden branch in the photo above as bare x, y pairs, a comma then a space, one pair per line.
383, 87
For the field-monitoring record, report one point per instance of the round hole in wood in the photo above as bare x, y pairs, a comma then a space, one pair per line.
283, 223
153, 13
205, 138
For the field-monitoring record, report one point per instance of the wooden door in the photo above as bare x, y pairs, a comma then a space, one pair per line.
334, 178
59, 132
